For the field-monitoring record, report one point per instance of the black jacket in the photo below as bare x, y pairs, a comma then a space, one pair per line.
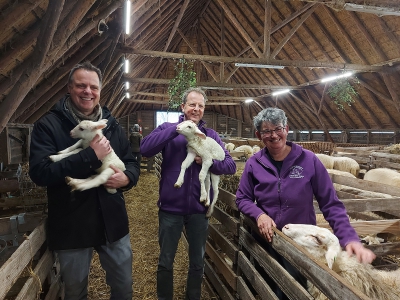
78, 219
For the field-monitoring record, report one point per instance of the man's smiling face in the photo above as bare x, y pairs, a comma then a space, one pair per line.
84, 89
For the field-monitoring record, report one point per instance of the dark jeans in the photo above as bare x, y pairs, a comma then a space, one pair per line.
285, 264
169, 233
137, 156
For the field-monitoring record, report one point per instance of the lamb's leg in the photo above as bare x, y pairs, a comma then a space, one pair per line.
58, 157
215, 183
96, 181
75, 146
185, 164
202, 176
75, 181
207, 185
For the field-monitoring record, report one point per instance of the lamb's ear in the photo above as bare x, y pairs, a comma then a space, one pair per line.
200, 134
101, 126
103, 121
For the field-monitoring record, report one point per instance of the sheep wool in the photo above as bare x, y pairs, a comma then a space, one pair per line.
326, 160
383, 175
324, 246
230, 146
248, 150
346, 164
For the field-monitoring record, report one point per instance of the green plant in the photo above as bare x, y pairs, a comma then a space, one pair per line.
342, 92
184, 79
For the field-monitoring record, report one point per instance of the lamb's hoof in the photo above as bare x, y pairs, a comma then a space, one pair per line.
177, 186
51, 157
68, 179
111, 191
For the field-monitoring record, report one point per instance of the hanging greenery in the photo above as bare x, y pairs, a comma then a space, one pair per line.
184, 79
342, 92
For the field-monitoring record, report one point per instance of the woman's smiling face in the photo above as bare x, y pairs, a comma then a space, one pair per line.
273, 136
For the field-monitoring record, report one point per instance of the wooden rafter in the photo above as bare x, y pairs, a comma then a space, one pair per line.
177, 22
267, 28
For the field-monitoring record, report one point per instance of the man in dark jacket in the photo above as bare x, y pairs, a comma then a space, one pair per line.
182, 207
135, 138
79, 222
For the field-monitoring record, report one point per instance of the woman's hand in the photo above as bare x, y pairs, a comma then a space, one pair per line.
265, 224
363, 254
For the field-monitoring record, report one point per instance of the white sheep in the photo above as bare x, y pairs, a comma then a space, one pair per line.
86, 131
208, 149
247, 149
346, 164
256, 148
230, 146
324, 246
383, 175
326, 160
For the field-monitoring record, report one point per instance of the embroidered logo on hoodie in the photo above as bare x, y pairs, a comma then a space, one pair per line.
296, 172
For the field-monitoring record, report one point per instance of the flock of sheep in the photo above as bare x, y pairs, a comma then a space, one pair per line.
248, 150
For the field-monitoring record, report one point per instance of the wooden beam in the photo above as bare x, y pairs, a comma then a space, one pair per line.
240, 28
166, 102
267, 28
284, 63
177, 22
293, 31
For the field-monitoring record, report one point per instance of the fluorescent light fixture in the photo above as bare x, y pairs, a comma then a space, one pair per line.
127, 95
127, 85
280, 92
128, 17
248, 100
380, 11
216, 88
126, 65
259, 66
347, 74
383, 132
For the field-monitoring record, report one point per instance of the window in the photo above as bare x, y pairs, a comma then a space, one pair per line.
164, 116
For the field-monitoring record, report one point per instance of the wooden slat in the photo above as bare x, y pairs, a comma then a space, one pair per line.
222, 267
230, 223
54, 290
385, 164
226, 246
385, 249
14, 266
373, 227
32, 286
227, 198
31, 221
256, 280
218, 285
286, 283
327, 281
361, 205
243, 291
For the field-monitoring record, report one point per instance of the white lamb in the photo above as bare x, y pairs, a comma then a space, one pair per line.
326, 160
256, 148
208, 149
229, 146
86, 131
324, 246
247, 149
346, 164
383, 175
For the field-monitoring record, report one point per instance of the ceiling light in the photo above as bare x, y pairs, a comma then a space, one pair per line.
127, 95
280, 92
380, 11
126, 65
128, 17
216, 88
248, 100
258, 66
127, 85
347, 74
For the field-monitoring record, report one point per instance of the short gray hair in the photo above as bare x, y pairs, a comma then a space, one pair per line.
88, 67
193, 89
272, 115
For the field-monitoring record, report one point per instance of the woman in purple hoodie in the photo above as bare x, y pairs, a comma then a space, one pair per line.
278, 185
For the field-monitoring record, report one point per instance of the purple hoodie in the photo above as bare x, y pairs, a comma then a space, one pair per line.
288, 197
186, 199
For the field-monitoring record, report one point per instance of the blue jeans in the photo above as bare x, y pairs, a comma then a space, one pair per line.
116, 260
169, 233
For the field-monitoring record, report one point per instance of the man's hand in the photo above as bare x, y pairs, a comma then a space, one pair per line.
117, 180
265, 224
101, 146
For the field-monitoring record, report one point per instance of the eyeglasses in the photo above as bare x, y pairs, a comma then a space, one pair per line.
268, 133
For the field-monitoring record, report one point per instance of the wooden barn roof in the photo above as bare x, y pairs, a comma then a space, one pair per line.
42, 40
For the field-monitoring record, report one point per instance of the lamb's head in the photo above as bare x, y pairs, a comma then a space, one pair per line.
318, 241
189, 129
88, 129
